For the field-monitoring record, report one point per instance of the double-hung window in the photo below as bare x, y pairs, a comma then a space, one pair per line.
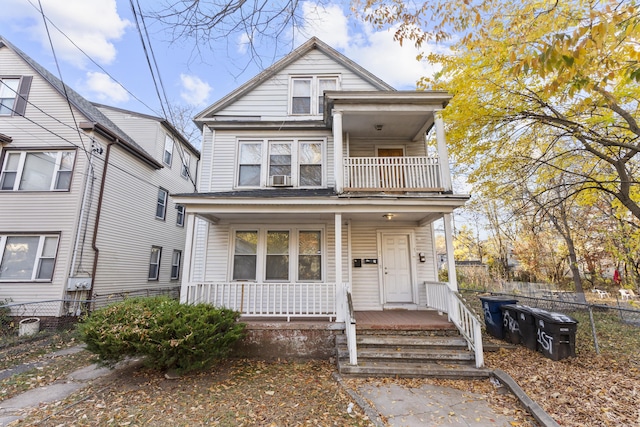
154, 262
186, 160
8, 94
167, 155
175, 264
27, 257
37, 170
266, 162
250, 163
307, 94
277, 255
180, 215
161, 204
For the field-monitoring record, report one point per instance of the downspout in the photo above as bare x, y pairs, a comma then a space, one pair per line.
94, 239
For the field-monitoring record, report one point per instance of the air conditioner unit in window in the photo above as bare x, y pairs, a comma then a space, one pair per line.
280, 181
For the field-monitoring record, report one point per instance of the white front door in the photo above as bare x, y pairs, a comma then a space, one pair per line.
396, 268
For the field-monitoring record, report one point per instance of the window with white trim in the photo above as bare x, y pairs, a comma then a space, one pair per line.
304, 89
167, 155
186, 164
180, 215
278, 255
249, 163
176, 258
27, 257
8, 94
161, 205
154, 262
301, 160
37, 170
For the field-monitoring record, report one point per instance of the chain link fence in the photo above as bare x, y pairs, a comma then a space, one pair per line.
64, 313
608, 326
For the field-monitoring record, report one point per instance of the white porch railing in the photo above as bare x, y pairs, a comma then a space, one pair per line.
350, 327
268, 299
443, 299
392, 173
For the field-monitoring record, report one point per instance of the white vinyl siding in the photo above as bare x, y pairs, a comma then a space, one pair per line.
27, 258
271, 99
37, 170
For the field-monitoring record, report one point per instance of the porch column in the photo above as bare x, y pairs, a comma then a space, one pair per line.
338, 171
340, 294
186, 261
451, 262
443, 154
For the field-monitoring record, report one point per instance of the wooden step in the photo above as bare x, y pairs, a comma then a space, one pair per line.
412, 355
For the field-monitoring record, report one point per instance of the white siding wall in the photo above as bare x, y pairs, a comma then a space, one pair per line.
270, 99
368, 148
42, 212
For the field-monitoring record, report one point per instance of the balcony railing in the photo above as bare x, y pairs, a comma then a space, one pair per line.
392, 174
268, 299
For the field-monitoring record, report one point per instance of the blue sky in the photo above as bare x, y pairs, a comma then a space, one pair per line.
105, 30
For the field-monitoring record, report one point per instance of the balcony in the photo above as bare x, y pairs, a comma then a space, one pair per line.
418, 174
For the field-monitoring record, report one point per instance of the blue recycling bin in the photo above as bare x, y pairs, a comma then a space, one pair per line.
493, 314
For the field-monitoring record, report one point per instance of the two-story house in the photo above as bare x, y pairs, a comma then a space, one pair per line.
318, 191
85, 207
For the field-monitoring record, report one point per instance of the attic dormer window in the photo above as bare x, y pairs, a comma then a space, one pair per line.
304, 89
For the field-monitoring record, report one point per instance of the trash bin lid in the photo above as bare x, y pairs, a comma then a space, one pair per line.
493, 298
512, 307
554, 317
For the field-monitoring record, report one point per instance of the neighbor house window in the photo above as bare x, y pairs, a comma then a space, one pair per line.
8, 94
27, 257
154, 263
168, 150
161, 206
175, 264
37, 170
180, 215
304, 89
309, 256
276, 255
186, 161
245, 255
14, 92
250, 164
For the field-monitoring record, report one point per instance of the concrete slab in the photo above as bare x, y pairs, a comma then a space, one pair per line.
90, 372
36, 396
431, 405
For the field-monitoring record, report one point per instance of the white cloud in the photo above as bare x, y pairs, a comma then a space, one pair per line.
376, 51
194, 91
103, 88
92, 25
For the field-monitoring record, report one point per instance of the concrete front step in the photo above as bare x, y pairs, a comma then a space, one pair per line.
411, 370
406, 341
412, 355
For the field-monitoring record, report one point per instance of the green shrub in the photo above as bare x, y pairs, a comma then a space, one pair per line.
170, 335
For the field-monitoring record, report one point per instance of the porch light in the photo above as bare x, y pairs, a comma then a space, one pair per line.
388, 216
378, 127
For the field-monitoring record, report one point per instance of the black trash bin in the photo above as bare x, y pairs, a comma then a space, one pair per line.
510, 325
527, 326
556, 334
493, 315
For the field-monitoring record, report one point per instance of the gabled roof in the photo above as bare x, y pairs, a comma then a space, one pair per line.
91, 113
160, 120
309, 45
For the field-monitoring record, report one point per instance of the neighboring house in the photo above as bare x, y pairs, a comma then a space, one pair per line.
317, 178
85, 209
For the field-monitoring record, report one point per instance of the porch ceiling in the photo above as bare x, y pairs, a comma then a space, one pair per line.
417, 218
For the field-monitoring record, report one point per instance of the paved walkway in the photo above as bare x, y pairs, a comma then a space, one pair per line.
431, 405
